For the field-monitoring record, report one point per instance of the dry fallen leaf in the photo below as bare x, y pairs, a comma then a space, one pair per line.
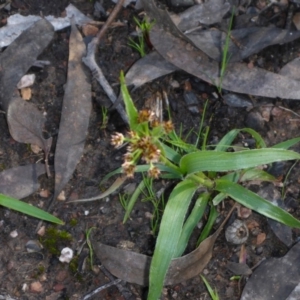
275, 278
22, 181
24, 120
134, 267
178, 49
75, 114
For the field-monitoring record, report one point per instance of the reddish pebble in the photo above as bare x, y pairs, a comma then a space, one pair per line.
58, 287
36, 287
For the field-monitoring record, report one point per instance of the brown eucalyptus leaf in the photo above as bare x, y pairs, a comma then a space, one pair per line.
238, 77
178, 49
26, 124
275, 278
134, 267
243, 42
208, 13
22, 181
20, 56
291, 69
148, 68
75, 114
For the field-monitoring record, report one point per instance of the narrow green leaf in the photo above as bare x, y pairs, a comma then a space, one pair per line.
255, 202
27, 209
133, 200
129, 105
229, 161
256, 174
287, 144
227, 140
213, 214
191, 222
218, 198
213, 294
171, 154
169, 234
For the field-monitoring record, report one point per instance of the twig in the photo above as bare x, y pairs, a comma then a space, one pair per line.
122, 289
91, 63
100, 288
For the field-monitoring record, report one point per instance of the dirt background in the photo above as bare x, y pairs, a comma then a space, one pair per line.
40, 275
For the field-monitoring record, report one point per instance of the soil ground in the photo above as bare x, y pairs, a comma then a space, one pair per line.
40, 275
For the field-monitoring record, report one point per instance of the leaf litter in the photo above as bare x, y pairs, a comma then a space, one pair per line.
134, 267
76, 109
182, 51
24, 120
175, 45
21, 181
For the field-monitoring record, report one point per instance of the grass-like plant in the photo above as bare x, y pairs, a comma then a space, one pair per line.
143, 36
213, 293
214, 171
225, 54
27, 209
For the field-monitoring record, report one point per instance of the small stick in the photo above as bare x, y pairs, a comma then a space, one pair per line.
100, 288
122, 289
91, 63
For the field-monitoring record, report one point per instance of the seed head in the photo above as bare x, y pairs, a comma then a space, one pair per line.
128, 169
117, 139
146, 116
168, 126
154, 172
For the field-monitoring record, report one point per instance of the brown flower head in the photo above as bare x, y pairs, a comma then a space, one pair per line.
145, 116
168, 126
151, 154
128, 169
154, 172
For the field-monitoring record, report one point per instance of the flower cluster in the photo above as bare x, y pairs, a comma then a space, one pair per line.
143, 144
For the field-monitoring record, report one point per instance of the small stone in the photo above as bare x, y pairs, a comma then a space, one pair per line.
14, 234
66, 255
44, 193
24, 287
35, 149
58, 287
36, 287
61, 196
255, 121
259, 250
33, 246
41, 231
26, 93
26, 81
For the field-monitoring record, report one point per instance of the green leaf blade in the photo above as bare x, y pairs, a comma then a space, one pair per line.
131, 110
169, 234
27, 209
255, 202
229, 161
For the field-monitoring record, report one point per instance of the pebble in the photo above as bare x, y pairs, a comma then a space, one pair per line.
36, 287
255, 121
66, 255
14, 234
33, 246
